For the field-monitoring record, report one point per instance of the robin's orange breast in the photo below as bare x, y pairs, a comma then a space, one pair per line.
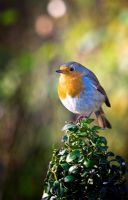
70, 84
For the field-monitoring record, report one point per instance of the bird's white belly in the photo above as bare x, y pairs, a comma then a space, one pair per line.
88, 101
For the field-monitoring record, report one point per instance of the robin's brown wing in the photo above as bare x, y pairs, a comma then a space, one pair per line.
101, 89
96, 83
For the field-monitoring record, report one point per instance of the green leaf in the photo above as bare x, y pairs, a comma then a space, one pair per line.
81, 159
85, 173
62, 152
47, 187
103, 161
83, 129
101, 140
102, 149
96, 128
56, 186
85, 123
65, 166
51, 198
65, 138
120, 159
82, 133
110, 153
114, 164
69, 178
45, 196
89, 163
73, 169
94, 138
70, 127
73, 155
62, 158
89, 120
62, 190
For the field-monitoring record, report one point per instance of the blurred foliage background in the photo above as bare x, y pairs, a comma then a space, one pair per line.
35, 38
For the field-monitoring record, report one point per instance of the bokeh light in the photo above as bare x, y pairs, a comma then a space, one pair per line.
56, 8
44, 25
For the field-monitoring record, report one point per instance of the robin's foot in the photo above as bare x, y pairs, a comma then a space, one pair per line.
80, 117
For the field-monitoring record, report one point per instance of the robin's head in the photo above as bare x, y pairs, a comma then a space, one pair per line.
70, 68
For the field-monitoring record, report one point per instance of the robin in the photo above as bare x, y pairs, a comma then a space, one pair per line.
81, 93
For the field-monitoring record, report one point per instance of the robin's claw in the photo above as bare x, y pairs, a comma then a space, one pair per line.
80, 117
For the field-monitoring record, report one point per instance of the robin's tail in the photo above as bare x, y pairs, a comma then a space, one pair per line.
101, 119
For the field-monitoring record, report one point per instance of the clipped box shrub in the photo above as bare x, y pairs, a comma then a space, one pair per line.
83, 168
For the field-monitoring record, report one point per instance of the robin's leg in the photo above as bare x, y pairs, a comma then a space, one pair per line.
89, 115
80, 117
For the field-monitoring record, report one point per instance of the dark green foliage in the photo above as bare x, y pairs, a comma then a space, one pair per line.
84, 168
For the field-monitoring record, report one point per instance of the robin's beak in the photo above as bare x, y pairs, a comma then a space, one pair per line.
59, 71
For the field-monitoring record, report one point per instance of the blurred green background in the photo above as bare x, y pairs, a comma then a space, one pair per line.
35, 38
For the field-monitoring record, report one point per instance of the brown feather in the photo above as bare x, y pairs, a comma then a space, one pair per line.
96, 83
101, 119
101, 89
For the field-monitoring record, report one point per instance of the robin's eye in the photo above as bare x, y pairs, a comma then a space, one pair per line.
72, 69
